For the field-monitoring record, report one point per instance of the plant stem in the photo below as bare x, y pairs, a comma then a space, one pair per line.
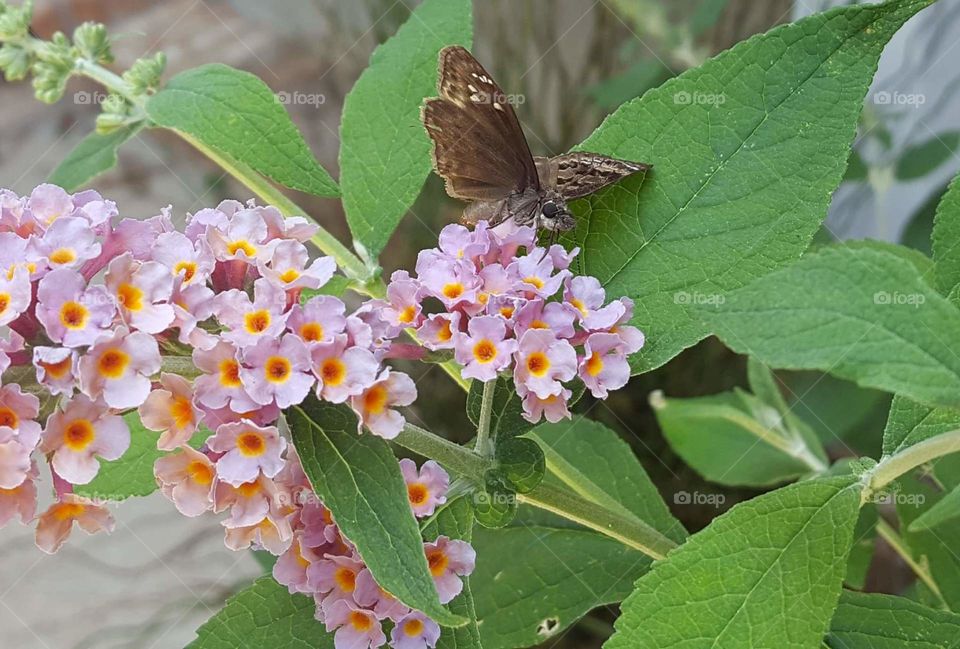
471, 465
486, 413
894, 466
629, 531
888, 534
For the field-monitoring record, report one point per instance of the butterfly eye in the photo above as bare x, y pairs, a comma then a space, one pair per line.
550, 209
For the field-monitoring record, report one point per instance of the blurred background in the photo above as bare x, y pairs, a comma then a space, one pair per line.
160, 575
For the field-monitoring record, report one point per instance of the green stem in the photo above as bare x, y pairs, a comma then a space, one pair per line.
486, 414
894, 466
629, 531
888, 534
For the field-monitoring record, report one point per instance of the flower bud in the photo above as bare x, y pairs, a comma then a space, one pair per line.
14, 62
92, 42
15, 21
145, 73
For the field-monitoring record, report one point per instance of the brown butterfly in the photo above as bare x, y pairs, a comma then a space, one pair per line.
480, 151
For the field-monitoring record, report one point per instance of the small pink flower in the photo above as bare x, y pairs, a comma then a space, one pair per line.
335, 576
342, 371
369, 595
277, 370
586, 295
291, 567
374, 406
461, 243
287, 267
357, 628
142, 291
543, 361
191, 305
189, 261
118, 368
415, 631
48, 202
18, 410
484, 350
319, 530
14, 460
402, 308
243, 238
79, 433
21, 501
186, 477
170, 411
448, 561
220, 384
15, 294
553, 408
536, 314
71, 313
536, 273
437, 331
55, 524
68, 243
320, 319
273, 534
248, 322
426, 489
247, 450
248, 502
452, 281
604, 365
56, 368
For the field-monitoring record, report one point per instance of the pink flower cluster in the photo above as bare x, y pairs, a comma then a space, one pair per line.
502, 304
224, 295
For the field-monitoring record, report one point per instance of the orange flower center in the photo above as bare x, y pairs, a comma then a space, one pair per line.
578, 305
533, 279
346, 579
187, 268
375, 400
73, 315
113, 363
594, 364
59, 369
484, 351
78, 434
506, 311
230, 373
538, 364
200, 472
413, 628
453, 290
333, 371
311, 332
290, 275
249, 489
256, 322
242, 245
444, 333
130, 297
68, 511
438, 562
4, 301
539, 324
360, 621
277, 369
251, 444
406, 316
9, 418
62, 256
418, 493
181, 411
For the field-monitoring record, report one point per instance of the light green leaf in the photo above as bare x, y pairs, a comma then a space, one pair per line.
359, 480
946, 239
552, 577
521, 463
384, 149
747, 150
132, 474
337, 286
862, 314
726, 443
456, 522
746, 580
237, 115
910, 422
875, 621
264, 616
94, 155
924, 158
594, 462
946, 509
864, 545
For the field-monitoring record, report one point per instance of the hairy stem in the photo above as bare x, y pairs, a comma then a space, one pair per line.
888, 534
486, 413
894, 466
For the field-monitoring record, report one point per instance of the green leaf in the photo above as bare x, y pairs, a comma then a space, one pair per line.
594, 462
359, 480
495, 504
132, 474
875, 621
861, 313
521, 462
746, 580
555, 575
946, 509
337, 286
507, 414
94, 155
726, 204
864, 546
728, 444
924, 158
456, 522
237, 115
384, 149
946, 239
910, 422
264, 616
919, 229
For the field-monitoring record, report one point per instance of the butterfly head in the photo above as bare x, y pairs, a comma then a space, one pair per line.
554, 215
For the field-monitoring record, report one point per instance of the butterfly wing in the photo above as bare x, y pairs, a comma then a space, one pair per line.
576, 175
478, 145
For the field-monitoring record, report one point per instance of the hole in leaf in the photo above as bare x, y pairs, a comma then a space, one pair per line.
548, 627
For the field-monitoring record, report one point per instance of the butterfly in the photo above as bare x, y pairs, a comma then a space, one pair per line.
480, 151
